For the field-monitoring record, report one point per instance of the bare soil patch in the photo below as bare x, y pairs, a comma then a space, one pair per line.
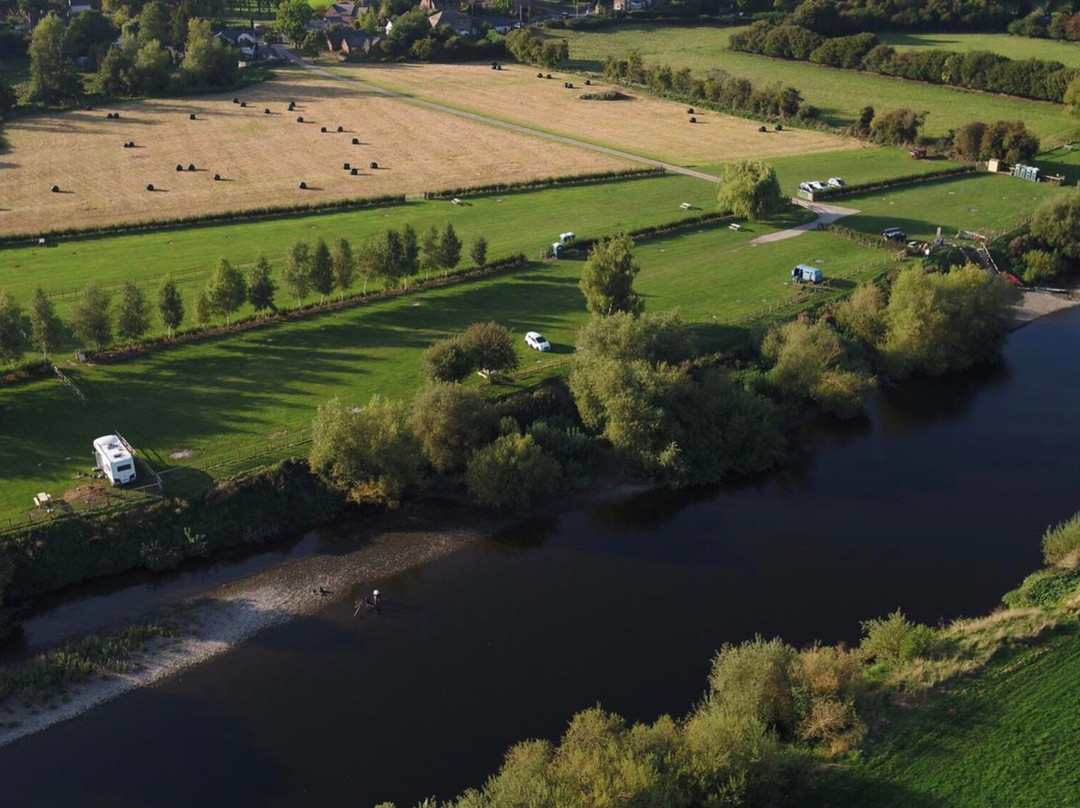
642, 124
261, 158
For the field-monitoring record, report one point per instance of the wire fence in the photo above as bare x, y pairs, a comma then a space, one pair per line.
184, 273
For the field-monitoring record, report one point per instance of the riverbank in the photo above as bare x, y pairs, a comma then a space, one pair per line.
1038, 304
215, 621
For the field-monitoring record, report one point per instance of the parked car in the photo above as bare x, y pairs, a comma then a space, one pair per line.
812, 185
836, 182
536, 340
894, 234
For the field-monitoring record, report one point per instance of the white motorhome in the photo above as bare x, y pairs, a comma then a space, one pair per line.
113, 458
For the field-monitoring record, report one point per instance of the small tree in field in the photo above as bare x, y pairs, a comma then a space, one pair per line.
478, 252
322, 270
491, 347
46, 330
410, 250
449, 249
451, 421
429, 251
607, 280
749, 188
261, 286
91, 320
202, 307
170, 305
447, 360
133, 316
12, 339
227, 290
297, 274
341, 257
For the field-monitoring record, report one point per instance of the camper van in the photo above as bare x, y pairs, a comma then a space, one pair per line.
113, 458
803, 273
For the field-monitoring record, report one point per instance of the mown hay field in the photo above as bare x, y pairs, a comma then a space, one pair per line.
261, 157
642, 124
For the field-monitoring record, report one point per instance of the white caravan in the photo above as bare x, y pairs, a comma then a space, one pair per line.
113, 458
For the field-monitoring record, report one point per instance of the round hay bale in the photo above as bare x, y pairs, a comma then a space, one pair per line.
346, 166
693, 119
322, 128
548, 76
236, 100
191, 117
266, 111
116, 116
340, 128
89, 107
55, 189
539, 75
191, 167
243, 103
303, 186
690, 110
356, 141
779, 127
355, 172
299, 118
179, 167
762, 129
373, 164
217, 177
149, 186
569, 85
292, 106
499, 67
588, 82
108, 116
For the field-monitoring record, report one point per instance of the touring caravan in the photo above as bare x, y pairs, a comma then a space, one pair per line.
113, 458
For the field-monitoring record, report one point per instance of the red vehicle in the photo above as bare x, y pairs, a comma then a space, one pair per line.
918, 153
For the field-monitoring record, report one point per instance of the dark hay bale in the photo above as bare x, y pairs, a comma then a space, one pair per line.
373, 164
108, 116
179, 167
779, 127
346, 166
762, 129
236, 100
341, 128
539, 75
55, 189
299, 118
690, 110
322, 128
303, 186
89, 107
266, 111
191, 167
499, 67
588, 83
191, 117
292, 106
149, 186
356, 141
355, 172
548, 76
693, 119
217, 177
243, 103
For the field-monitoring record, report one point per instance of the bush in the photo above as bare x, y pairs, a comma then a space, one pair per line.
753, 680
1061, 543
1044, 589
895, 638
512, 471
451, 421
604, 95
1040, 266
447, 360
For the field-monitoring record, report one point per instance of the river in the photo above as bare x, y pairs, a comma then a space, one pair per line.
935, 504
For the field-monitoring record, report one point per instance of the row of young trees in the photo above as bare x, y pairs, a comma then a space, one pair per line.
717, 87
974, 70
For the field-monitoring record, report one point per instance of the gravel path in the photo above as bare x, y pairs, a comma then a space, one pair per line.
826, 214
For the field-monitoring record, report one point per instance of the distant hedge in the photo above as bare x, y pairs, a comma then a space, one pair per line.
546, 182
894, 182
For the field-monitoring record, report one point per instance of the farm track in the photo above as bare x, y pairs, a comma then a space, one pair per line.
513, 127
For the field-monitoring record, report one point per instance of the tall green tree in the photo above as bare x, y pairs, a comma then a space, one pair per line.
297, 273
478, 251
1072, 97
12, 338
152, 68
410, 251
322, 270
8, 97
449, 248
749, 188
261, 286
607, 279
53, 79
155, 23
227, 290
344, 263
1057, 222
451, 421
208, 62
170, 305
429, 251
491, 347
511, 472
91, 319
133, 313
292, 19
46, 329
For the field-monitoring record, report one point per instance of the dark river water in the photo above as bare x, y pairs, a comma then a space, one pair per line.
935, 505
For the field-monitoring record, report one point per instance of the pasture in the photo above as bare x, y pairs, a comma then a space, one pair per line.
643, 124
261, 158
522, 221
1012, 47
840, 94
219, 398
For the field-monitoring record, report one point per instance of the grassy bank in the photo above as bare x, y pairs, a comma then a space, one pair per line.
840, 94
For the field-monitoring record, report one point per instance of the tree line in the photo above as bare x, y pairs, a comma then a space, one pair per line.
973, 70
391, 257
850, 16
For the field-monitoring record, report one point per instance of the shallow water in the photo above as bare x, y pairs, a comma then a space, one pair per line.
935, 505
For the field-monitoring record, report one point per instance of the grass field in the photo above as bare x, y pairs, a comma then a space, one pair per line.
1006, 738
222, 396
643, 125
505, 220
261, 158
840, 94
1013, 47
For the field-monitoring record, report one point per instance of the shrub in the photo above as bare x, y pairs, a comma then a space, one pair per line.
451, 421
895, 638
1040, 266
1043, 589
512, 471
753, 680
1061, 543
447, 360
604, 95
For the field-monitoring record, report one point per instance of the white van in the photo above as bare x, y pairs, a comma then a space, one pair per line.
113, 458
